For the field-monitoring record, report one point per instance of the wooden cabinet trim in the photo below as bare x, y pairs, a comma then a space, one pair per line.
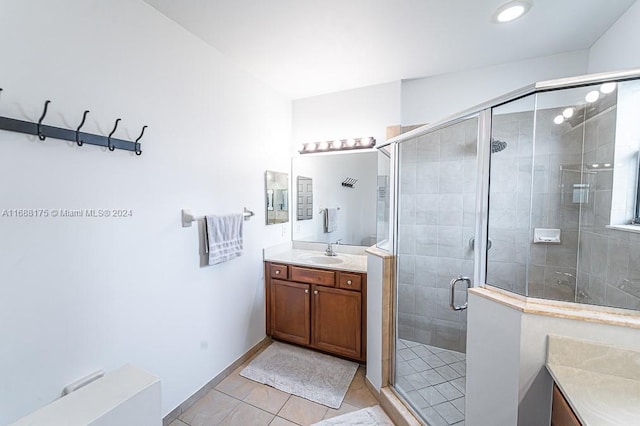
350, 281
279, 271
323, 277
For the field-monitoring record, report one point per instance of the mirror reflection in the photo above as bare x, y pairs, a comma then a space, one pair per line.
277, 197
343, 194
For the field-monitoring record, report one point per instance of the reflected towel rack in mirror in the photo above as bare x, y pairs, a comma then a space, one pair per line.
188, 218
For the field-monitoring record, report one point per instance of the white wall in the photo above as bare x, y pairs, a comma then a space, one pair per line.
619, 47
430, 99
353, 113
80, 294
493, 349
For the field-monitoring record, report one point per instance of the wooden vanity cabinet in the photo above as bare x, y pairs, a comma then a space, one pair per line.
561, 412
318, 308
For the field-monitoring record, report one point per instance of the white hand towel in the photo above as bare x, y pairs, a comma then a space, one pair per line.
224, 237
330, 220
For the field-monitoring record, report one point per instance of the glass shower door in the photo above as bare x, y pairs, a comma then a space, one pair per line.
435, 240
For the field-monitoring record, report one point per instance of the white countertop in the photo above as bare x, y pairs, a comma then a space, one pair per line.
600, 382
317, 259
598, 399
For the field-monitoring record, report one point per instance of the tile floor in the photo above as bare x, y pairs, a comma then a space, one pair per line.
243, 402
433, 381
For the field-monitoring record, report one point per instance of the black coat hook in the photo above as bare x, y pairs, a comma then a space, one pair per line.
137, 145
84, 117
40, 135
111, 147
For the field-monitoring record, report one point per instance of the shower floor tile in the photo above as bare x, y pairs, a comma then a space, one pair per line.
433, 381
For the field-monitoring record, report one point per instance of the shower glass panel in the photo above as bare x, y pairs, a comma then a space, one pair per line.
436, 227
563, 195
511, 176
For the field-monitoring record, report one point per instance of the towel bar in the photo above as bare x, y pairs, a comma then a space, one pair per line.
188, 218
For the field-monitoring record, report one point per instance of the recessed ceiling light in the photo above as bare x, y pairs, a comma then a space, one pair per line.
592, 96
568, 112
511, 11
608, 88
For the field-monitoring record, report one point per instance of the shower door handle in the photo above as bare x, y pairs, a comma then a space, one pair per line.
452, 302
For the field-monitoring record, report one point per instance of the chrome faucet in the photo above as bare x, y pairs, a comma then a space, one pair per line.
329, 251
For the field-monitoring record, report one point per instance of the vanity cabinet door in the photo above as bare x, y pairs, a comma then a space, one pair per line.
561, 412
337, 321
290, 311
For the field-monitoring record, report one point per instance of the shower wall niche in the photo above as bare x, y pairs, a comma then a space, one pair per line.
555, 177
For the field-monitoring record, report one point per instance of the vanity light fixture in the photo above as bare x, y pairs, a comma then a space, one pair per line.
511, 11
337, 145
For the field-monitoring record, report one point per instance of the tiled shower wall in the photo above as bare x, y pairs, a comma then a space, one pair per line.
436, 221
593, 264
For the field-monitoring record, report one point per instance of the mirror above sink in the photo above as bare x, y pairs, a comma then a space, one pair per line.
343, 182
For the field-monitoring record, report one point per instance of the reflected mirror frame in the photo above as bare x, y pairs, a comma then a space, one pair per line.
276, 197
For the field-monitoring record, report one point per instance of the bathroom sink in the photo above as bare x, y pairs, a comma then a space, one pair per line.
324, 260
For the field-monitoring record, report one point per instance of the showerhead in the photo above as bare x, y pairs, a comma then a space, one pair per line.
497, 145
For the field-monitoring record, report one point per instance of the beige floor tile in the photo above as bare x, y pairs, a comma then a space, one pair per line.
237, 386
344, 409
247, 415
210, 409
357, 382
360, 396
267, 398
302, 411
177, 422
279, 421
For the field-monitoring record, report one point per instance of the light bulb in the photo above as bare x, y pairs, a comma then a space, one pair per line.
511, 10
568, 112
607, 164
592, 96
337, 144
351, 142
323, 145
608, 88
559, 119
595, 166
311, 147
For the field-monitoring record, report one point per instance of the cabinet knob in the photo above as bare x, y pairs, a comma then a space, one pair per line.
315, 291
278, 272
348, 282
306, 291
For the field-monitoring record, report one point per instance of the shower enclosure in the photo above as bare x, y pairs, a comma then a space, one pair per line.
534, 193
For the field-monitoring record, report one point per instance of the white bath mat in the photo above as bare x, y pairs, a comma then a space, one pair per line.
317, 377
367, 416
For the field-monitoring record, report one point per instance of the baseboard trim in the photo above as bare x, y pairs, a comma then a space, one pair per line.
392, 405
176, 412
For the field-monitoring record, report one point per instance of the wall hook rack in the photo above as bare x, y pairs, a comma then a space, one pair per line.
42, 131
349, 182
